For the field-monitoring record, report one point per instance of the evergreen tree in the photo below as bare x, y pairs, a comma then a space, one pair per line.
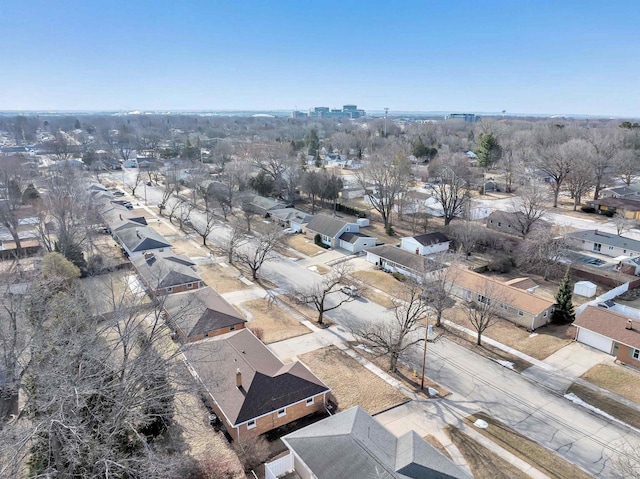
564, 305
489, 150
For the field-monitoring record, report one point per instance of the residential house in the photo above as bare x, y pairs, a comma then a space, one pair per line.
352, 444
425, 244
629, 206
610, 332
166, 272
523, 307
248, 387
608, 244
261, 205
620, 192
290, 218
351, 192
199, 314
397, 260
338, 233
630, 266
512, 222
140, 240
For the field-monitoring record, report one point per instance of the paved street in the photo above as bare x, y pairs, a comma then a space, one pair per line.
478, 383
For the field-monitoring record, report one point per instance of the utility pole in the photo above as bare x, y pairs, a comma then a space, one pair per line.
386, 111
424, 354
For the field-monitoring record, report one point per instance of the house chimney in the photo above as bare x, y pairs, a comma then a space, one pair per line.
629, 324
238, 379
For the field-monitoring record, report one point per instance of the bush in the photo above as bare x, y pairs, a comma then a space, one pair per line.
389, 230
252, 452
608, 213
398, 276
502, 265
350, 211
317, 239
588, 209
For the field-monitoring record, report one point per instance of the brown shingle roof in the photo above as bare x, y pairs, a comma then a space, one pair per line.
517, 298
200, 311
268, 384
610, 324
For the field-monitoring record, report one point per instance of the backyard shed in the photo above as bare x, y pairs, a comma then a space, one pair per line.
585, 288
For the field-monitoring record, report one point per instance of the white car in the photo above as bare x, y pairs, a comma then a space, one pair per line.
289, 231
350, 290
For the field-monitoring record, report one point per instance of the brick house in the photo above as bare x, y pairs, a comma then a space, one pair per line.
166, 272
195, 315
521, 306
610, 332
248, 387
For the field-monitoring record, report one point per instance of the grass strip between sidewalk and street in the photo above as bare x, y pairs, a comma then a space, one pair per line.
612, 407
529, 451
484, 464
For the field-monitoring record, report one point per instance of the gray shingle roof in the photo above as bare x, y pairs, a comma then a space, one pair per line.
402, 257
141, 239
200, 311
352, 237
608, 239
326, 225
354, 444
165, 270
429, 239
268, 384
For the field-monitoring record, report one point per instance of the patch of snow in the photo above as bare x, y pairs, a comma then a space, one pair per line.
481, 424
364, 348
433, 392
533, 335
223, 265
313, 268
576, 400
506, 364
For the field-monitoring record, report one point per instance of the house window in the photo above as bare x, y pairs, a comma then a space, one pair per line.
484, 299
232, 328
491, 221
508, 226
326, 239
624, 251
310, 402
251, 424
635, 353
169, 289
545, 314
610, 248
499, 223
282, 412
520, 313
189, 285
597, 247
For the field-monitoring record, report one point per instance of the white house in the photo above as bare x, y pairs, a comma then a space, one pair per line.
338, 233
396, 260
425, 244
608, 244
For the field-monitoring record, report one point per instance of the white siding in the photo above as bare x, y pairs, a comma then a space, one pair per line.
595, 340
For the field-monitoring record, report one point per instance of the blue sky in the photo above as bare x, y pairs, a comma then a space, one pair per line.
541, 56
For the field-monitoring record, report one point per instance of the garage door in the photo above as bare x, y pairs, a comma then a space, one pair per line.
595, 340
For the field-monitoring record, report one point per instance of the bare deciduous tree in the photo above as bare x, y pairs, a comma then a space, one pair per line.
330, 285
260, 249
452, 190
482, 309
393, 336
231, 243
204, 229
438, 286
531, 207
385, 176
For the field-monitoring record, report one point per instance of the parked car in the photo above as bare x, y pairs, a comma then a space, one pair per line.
350, 290
149, 183
289, 231
104, 231
128, 206
118, 193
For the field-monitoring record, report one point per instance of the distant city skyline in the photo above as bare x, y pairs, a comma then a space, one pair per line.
546, 58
